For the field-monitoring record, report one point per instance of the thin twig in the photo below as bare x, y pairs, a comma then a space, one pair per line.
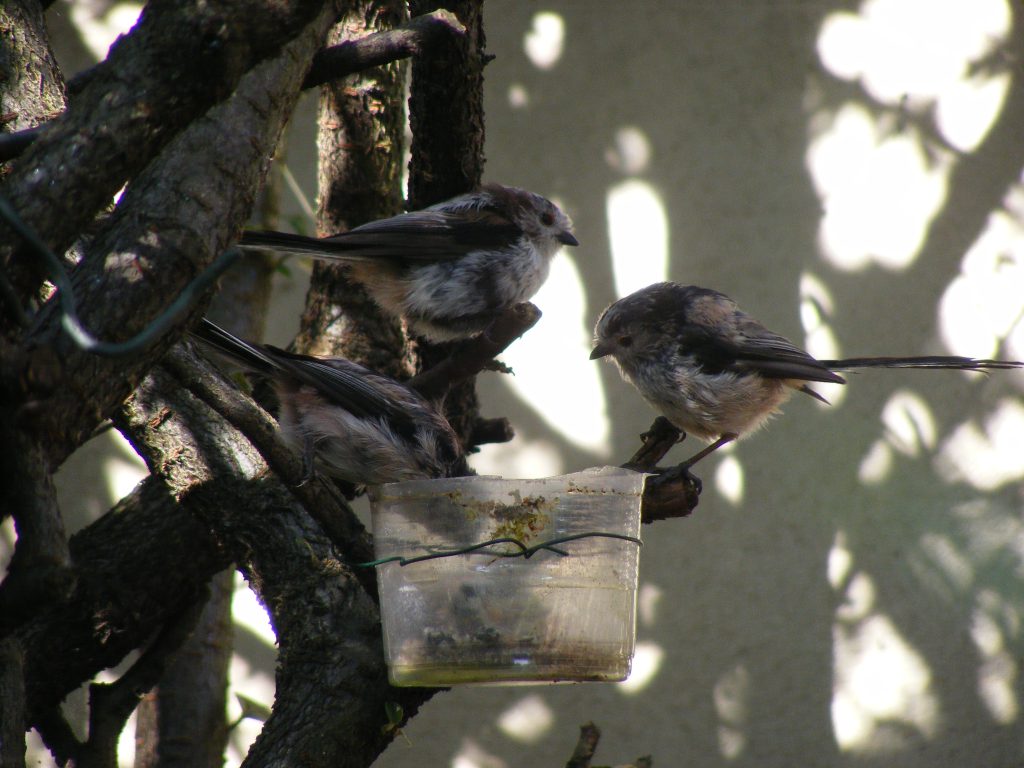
657, 441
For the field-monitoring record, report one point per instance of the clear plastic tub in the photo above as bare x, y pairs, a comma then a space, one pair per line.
484, 618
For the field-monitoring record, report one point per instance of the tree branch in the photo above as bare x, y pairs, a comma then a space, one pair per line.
110, 705
320, 496
410, 39
138, 564
332, 682
134, 105
58, 736
12, 705
586, 746
40, 572
196, 199
447, 119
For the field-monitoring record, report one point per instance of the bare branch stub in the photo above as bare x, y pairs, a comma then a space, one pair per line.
656, 442
672, 492
586, 746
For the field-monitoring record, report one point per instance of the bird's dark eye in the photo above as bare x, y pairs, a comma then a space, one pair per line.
547, 218
625, 341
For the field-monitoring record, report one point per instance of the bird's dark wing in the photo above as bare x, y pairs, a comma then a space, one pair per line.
420, 236
432, 235
765, 353
347, 384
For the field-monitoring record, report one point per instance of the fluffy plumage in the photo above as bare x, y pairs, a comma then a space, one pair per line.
362, 427
713, 370
450, 269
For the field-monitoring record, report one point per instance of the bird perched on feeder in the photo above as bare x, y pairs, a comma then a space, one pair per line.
452, 268
714, 371
361, 426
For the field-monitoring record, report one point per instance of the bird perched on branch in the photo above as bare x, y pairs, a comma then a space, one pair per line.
362, 427
714, 371
450, 269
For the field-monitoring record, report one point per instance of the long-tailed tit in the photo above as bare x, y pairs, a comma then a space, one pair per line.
361, 426
450, 269
714, 371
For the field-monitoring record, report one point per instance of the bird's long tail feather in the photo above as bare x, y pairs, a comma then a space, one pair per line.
341, 249
244, 353
948, 362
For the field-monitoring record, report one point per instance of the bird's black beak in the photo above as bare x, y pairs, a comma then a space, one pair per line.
567, 238
601, 349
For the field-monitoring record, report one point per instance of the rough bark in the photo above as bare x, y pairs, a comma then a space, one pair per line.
33, 89
144, 560
331, 684
174, 219
447, 156
360, 141
133, 105
183, 721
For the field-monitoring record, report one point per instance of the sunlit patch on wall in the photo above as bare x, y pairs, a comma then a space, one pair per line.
556, 350
527, 720
545, 41
879, 191
816, 307
731, 696
647, 602
840, 561
908, 429
881, 178
916, 47
125, 470
729, 479
472, 755
253, 684
245, 679
969, 108
991, 622
518, 96
99, 31
631, 151
879, 679
647, 661
949, 560
984, 305
989, 455
519, 458
637, 234
247, 611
